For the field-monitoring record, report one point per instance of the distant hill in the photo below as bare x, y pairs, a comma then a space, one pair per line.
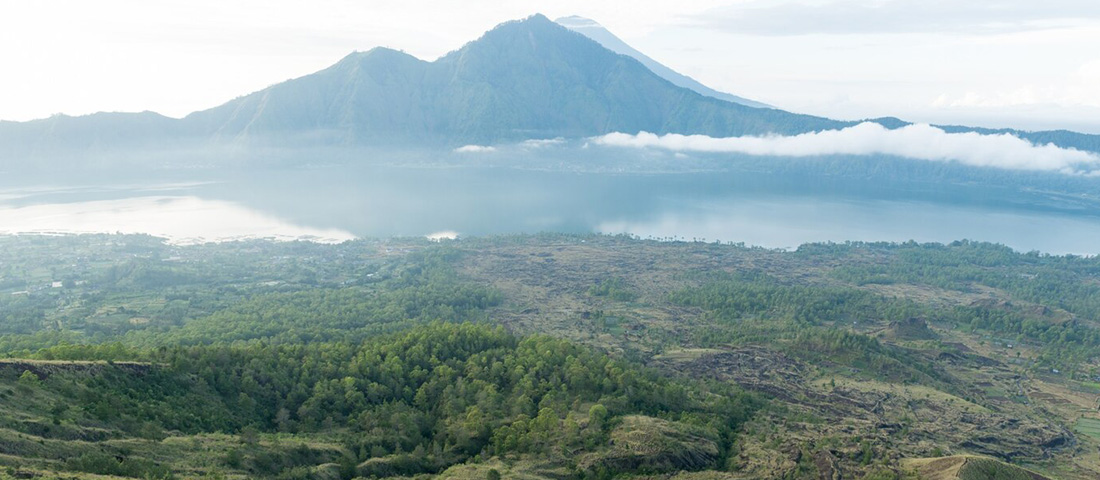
526, 79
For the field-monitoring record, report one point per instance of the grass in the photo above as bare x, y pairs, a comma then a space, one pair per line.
525, 469
37, 442
684, 355
1089, 426
1093, 387
913, 391
654, 445
966, 467
988, 469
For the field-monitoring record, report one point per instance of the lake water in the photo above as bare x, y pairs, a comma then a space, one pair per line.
338, 204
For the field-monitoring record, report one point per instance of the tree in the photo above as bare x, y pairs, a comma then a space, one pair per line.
28, 379
282, 420
597, 416
250, 436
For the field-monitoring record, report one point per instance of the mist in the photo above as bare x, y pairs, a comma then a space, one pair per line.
917, 141
181, 220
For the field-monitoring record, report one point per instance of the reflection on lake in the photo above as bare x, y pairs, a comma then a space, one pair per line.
341, 203
788, 223
183, 220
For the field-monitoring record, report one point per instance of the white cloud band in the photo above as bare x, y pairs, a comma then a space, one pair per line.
917, 141
475, 149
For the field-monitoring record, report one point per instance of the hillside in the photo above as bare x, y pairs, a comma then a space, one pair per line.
969, 468
413, 403
711, 361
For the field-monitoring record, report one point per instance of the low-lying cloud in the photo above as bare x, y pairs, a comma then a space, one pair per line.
475, 149
917, 141
542, 142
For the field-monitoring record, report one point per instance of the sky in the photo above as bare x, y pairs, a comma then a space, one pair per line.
1015, 63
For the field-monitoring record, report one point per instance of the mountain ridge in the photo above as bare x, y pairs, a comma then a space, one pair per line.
592, 29
524, 79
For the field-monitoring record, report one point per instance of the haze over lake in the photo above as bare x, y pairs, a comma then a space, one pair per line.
341, 203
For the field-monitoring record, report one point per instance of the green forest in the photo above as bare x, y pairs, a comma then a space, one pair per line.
541, 356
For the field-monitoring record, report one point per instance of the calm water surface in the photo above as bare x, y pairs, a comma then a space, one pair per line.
339, 204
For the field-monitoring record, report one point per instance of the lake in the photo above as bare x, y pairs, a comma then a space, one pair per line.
340, 203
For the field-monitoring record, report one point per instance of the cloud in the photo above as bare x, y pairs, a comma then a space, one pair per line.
542, 142
442, 235
801, 17
917, 141
475, 149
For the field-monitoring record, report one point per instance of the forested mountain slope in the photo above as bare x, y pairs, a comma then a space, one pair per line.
546, 356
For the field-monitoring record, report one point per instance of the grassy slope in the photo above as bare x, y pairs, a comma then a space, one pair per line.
964, 467
33, 445
830, 405
37, 437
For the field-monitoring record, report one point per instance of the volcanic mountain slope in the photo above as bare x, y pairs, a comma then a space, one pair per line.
526, 79
592, 29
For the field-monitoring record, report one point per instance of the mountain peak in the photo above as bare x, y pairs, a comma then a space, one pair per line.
376, 58
537, 20
529, 39
593, 30
537, 17
375, 53
380, 51
575, 21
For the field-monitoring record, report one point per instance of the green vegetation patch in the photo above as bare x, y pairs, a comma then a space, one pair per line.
398, 405
126, 356
614, 289
653, 445
989, 469
1089, 426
